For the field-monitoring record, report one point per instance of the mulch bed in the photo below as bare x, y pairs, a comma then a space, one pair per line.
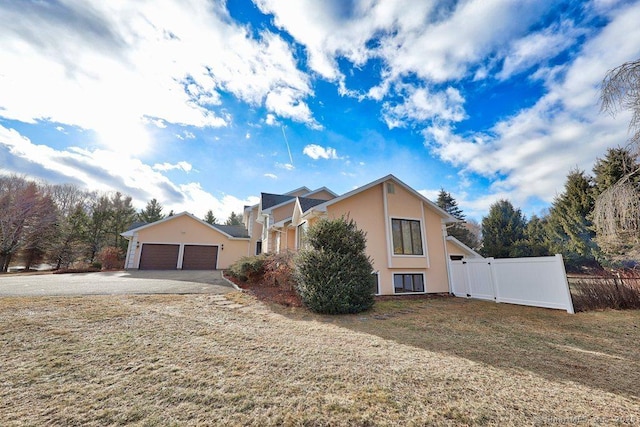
269, 294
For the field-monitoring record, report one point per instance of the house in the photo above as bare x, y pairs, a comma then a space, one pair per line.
185, 242
406, 234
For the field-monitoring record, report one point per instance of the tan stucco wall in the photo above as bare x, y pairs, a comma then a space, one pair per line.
186, 230
322, 195
283, 212
367, 210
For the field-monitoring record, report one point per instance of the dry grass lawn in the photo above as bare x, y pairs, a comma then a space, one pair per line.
188, 360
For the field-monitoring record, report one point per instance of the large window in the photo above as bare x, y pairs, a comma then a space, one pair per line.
407, 238
408, 283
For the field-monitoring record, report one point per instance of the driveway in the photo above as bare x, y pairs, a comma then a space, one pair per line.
116, 282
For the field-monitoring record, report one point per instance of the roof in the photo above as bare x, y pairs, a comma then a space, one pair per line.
136, 224
231, 231
307, 203
269, 200
448, 218
464, 247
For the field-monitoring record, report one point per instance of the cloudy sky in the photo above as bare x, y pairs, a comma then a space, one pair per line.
203, 104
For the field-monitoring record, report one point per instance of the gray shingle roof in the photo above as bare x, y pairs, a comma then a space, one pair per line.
306, 203
270, 200
232, 230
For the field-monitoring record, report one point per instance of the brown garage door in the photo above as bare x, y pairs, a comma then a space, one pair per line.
199, 257
159, 257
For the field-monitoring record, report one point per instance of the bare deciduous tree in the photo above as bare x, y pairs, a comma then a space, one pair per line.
616, 214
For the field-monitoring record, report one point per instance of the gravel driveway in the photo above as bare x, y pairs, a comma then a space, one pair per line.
115, 282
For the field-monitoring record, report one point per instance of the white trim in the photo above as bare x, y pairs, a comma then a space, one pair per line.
129, 233
387, 227
444, 214
424, 282
462, 246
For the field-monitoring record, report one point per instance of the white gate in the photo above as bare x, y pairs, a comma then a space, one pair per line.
535, 281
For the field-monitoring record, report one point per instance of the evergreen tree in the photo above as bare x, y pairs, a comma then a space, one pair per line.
502, 229
210, 218
123, 215
152, 212
458, 230
334, 274
234, 219
570, 229
616, 164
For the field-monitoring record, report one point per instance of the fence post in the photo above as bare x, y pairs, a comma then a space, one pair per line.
560, 263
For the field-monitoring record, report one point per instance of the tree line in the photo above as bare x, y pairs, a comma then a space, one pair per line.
571, 226
63, 225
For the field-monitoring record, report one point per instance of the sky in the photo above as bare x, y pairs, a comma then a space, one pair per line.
204, 104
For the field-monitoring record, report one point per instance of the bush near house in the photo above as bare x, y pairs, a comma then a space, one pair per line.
334, 274
249, 268
110, 258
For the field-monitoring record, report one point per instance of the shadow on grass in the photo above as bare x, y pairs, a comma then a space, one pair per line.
598, 349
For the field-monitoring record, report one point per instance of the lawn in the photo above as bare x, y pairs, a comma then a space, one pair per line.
187, 360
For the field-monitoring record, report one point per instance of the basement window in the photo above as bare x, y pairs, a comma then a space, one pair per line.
408, 282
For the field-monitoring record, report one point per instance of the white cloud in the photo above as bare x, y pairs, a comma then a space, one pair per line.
185, 166
419, 105
539, 46
285, 166
530, 154
247, 135
270, 175
114, 67
104, 170
318, 152
271, 120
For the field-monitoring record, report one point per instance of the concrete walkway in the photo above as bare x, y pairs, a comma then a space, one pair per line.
114, 283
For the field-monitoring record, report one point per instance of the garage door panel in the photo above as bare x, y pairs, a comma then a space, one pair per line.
159, 257
200, 257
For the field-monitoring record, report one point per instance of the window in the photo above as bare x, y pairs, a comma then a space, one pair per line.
408, 283
258, 247
376, 282
407, 238
302, 233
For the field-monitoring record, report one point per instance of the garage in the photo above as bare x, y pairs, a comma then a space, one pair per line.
200, 257
159, 256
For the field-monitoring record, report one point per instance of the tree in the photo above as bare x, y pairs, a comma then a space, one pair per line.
98, 226
457, 230
210, 218
536, 241
617, 164
123, 215
571, 231
616, 214
334, 274
26, 217
621, 91
234, 219
151, 213
501, 229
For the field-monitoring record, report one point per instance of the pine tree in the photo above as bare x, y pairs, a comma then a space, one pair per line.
210, 218
457, 230
502, 230
151, 213
616, 164
234, 219
571, 231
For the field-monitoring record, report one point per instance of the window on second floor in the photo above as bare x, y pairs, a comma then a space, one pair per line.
407, 237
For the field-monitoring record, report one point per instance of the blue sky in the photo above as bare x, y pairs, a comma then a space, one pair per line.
205, 104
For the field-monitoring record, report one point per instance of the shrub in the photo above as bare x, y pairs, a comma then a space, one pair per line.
279, 270
111, 258
334, 275
619, 290
249, 268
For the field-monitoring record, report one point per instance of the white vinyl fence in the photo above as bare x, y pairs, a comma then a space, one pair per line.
535, 281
